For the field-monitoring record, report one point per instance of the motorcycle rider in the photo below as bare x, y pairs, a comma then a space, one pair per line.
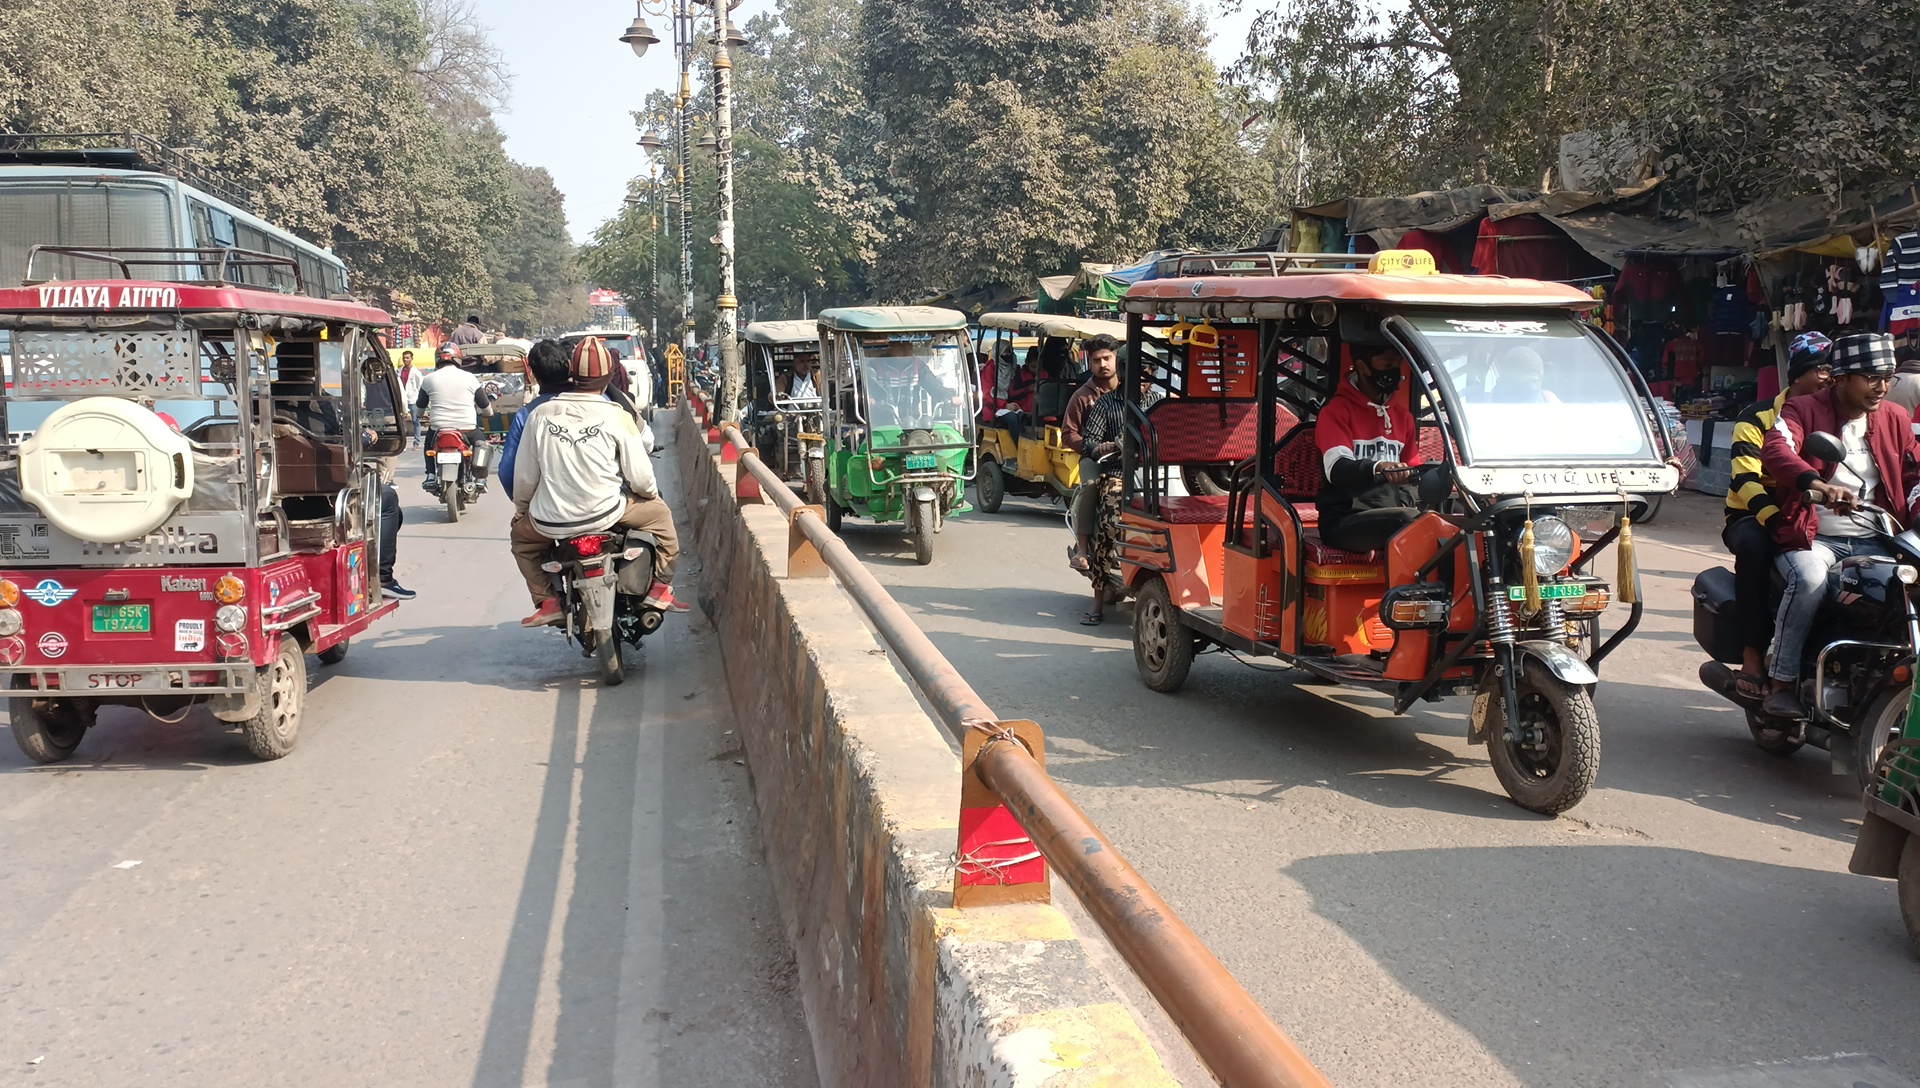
581, 468
1368, 451
452, 398
1752, 507
1882, 466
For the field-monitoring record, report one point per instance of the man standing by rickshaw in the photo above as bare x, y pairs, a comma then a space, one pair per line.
1103, 377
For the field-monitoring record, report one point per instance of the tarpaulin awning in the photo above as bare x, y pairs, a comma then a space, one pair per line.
1436, 211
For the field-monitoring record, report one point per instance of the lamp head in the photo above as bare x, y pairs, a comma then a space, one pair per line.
639, 35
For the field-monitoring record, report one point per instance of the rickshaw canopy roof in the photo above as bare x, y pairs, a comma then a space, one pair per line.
481, 351
781, 332
1210, 295
1072, 328
892, 319
103, 300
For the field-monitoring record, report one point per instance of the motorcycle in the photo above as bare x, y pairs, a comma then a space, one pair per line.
1857, 668
461, 475
603, 580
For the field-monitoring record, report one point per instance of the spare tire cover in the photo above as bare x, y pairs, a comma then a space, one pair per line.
106, 470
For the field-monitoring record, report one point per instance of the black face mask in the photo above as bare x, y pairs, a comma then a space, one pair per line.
1382, 382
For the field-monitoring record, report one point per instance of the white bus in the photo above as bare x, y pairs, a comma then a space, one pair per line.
129, 191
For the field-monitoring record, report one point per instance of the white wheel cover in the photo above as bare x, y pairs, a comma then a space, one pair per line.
106, 470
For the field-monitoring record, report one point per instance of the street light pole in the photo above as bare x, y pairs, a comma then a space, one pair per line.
683, 47
727, 307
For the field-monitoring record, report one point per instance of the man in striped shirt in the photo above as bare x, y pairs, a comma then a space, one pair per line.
1752, 506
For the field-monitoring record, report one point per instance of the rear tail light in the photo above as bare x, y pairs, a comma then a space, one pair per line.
588, 546
9, 593
231, 617
231, 645
12, 650
229, 590
550, 567
11, 622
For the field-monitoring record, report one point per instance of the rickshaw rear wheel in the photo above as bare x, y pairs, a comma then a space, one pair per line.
334, 654
281, 689
1162, 645
48, 730
1910, 891
1550, 762
834, 514
992, 486
607, 657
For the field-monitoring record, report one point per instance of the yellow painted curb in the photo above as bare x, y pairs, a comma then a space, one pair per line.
1002, 925
1092, 1046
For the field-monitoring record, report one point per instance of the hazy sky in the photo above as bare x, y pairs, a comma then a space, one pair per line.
574, 85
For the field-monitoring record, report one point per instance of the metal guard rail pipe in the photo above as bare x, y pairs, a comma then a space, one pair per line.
1229, 1031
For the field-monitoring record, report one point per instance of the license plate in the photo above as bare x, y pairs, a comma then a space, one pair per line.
115, 679
122, 619
1561, 592
447, 457
920, 460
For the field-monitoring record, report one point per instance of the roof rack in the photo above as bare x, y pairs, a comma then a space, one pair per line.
195, 262
120, 151
1261, 263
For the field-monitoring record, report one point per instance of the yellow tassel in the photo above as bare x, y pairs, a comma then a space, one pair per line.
1529, 577
1628, 593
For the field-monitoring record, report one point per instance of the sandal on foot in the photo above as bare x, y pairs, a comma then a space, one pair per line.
1749, 686
1092, 619
1076, 560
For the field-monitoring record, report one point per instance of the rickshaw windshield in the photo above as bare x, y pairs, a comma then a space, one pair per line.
1537, 389
915, 380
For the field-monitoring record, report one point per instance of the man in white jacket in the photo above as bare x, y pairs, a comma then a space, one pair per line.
581, 468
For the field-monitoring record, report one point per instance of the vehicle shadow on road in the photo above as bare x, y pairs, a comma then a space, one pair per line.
1740, 962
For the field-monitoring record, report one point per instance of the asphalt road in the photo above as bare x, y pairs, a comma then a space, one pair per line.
477, 868
1365, 877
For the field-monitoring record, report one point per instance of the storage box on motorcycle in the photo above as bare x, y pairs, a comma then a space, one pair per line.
1716, 618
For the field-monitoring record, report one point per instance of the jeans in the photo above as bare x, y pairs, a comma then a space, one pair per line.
1754, 551
1808, 587
390, 521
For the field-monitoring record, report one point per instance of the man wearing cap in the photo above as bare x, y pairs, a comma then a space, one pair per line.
1881, 466
581, 468
1752, 507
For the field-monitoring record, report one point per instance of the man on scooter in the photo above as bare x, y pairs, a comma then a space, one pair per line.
1881, 466
582, 468
1752, 508
452, 399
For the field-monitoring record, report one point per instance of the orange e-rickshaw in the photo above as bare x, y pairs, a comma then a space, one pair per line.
1490, 590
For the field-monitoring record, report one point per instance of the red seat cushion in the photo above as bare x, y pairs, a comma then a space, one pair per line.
1190, 509
1323, 555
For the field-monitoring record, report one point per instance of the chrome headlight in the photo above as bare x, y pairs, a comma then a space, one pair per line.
231, 617
1552, 545
10, 622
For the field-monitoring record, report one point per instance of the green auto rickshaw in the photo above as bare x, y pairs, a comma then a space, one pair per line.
900, 398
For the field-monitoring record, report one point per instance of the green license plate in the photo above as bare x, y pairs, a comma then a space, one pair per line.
1560, 592
920, 460
122, 619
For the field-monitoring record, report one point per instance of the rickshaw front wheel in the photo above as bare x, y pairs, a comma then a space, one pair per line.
1162, 645
48, 730
1549, 763
281, 691
922, 519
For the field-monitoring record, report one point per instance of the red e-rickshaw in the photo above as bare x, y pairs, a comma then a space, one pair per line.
1490, 590
188, 500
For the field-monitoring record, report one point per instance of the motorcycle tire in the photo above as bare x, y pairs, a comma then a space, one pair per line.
1555, 779
1909, 886
607, 657
1884, 722
452, 499
815, 487
1772, 739
49, 730
992, 486
922, 520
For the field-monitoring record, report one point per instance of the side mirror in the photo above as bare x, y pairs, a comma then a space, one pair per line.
1824, 446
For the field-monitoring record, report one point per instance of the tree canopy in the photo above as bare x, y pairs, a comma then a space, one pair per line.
363, 125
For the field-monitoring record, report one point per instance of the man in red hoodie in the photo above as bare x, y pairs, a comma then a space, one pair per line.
1368, 452
1882, 466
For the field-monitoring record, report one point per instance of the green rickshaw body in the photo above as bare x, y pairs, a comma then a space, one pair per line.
900, 396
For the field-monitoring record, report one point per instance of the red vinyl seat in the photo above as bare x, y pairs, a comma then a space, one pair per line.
1190, 509
1325, 555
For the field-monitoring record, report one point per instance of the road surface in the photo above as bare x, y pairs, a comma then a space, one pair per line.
1365, 877
477, 868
